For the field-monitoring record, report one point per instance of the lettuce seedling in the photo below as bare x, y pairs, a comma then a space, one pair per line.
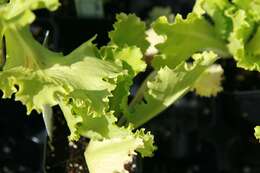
92, 85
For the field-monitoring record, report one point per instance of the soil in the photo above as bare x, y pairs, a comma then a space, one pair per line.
65, 156
62, 155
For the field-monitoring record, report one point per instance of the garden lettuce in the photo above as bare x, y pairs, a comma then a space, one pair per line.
91, 85
82, 83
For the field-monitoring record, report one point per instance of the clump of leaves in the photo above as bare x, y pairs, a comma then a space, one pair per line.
92, 85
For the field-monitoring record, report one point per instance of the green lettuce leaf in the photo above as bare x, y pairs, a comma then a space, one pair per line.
40, 77
130, 55
124, 35
119, 102
251, 7
104, 126
1, 46
19, 12
82, 124
148, 143
97, 128
133, 57
238, 40
257, 132
253, 51
166, 86
209, 83
183, 38
237, 23
111, 146
3, 1
38, 87
32, 55
215, 9
111, 155
130, 59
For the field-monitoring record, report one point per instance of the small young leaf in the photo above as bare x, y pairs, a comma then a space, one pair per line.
129, 30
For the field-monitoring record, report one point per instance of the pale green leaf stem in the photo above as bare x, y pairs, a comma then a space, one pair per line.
167, 86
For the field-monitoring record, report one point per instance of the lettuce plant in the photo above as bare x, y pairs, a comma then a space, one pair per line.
92, 85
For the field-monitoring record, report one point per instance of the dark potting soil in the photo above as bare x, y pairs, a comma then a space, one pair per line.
68, 157
62, 155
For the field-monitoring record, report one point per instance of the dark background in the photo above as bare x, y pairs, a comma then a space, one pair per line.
196, 135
